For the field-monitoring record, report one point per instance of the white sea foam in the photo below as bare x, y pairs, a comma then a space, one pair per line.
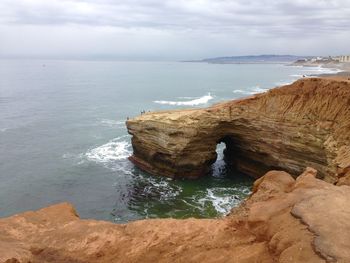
238, 91
320, 70
163, 188
257, 89
223, 204
307, 72
296, 76
114, 150
197, 101
283, 83
220, 199
122, 166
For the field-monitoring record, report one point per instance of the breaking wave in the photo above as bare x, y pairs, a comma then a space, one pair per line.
114, 150
223, 199
257, 89
238, 91
298, 76
283, 83
197, 101
321, 70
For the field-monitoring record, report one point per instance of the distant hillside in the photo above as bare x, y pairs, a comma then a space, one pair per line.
252, 59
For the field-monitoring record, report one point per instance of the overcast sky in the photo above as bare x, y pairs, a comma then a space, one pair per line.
179, 29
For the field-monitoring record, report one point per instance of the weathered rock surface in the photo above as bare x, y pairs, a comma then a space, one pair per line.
289, 128
285, 220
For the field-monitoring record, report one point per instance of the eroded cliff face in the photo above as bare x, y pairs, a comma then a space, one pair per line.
285, 220
303, 124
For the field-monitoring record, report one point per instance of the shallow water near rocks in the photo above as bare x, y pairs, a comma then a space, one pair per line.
63, 135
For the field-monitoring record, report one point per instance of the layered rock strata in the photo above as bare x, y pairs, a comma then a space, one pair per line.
303, 124
285, 220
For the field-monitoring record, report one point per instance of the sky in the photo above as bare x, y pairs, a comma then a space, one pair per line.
172, 29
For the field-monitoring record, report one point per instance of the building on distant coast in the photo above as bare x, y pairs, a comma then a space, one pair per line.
343, 59
324, 60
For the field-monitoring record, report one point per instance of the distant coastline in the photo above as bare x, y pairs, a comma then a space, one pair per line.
251, 59
342, 69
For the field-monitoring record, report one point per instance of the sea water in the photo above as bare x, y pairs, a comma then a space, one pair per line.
63, 134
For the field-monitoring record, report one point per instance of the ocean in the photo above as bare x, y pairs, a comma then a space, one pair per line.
63, 134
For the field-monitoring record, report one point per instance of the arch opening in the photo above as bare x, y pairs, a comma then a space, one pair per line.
223, 165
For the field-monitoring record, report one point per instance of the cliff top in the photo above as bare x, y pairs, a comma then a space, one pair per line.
285, 220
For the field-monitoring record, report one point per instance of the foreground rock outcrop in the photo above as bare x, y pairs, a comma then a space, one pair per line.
289, 128
285, 220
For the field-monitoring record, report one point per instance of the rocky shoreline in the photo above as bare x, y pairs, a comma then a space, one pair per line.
287, 218
284, 220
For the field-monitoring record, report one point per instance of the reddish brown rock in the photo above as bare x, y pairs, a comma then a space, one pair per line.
345, 180
285, 220
289, 128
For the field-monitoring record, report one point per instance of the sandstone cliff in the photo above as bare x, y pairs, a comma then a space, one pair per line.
289, 128
285, 220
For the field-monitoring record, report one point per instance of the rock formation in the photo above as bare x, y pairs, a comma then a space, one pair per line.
285, 220
289, 128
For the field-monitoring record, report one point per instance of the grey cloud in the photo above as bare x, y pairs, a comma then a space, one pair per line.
171, 25
178, 14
